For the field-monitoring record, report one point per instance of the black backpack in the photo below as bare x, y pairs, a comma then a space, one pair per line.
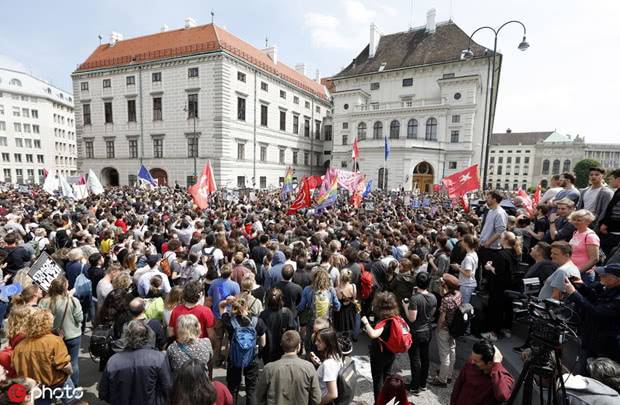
461, 321
101, 341
346, 382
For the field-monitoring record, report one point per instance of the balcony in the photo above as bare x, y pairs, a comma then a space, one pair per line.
398, 105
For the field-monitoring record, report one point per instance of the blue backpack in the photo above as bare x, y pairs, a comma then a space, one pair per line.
242, 348
82, 286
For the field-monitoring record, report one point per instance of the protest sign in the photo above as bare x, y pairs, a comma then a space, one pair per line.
44, 270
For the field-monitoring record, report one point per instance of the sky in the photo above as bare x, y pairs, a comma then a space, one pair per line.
560, 83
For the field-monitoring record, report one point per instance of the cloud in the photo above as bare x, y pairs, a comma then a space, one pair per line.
9, 63
325, 31
357, 12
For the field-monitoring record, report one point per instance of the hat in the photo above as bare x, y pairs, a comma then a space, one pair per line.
450, 281
612, 269
11, 290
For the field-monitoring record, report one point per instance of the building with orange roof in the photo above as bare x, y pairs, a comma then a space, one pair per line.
177, 98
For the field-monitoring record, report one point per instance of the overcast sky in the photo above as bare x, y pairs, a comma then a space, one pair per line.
565, 81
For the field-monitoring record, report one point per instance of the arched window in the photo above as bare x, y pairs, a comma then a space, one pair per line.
566, 166
491, 169
545, 168
412, 129
431, 129
377, 130
15, 82
516, 170
556, 167
361, 131
544, 183
394, 129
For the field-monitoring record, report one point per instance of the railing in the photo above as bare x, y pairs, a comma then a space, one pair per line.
395, 105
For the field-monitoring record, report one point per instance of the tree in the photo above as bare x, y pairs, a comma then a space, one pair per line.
582, 169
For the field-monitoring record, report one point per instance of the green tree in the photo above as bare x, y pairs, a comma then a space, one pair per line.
582, 169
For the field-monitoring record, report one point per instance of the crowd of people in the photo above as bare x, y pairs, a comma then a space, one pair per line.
162, 293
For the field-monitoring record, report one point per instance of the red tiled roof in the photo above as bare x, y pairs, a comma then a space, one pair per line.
188, 41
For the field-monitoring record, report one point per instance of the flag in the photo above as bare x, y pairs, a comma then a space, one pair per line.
81, 181
93, 183
329, 190
536, 197
465, 203
302, 200
45, 172
386, 149
145, 178
527, 201
205, 185
314, 182
80, 191
65, 187
462, 182
349, 180
436, 187
368, 189
51, 183
356, 151
287, 185
357, 197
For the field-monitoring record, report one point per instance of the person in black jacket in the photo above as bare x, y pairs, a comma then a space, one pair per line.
609, 224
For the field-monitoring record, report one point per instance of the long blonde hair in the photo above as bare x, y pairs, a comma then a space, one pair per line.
320, 281
513, 242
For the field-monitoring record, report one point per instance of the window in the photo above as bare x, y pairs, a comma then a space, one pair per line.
262, 181
374, 86
306, 158
263, 115
377, 130
282, 120
133, 148
454, 136
26, 113
18, 157
7, 174
241, 76
343, 164
526, 160
281, 156
157, 109
2, 126
361, 131
517, 170
241, 181
84, 86
556, 167
317, 129
6, 157
394, 129
383, 180
29, 158
296, 124
509, 159
500, 159
264, 86
131, 110
295, 157
158, 147
16, 112
263, 153
90, 151
28, 143
408, 82
240, 151
345, 139
456, 119
34, 113
192, 72
499, 170
307, 104
3, 141
283, 94
17, 126
431, 129
27, 128
108, 112
492, 159
40, 159
327, 129
130, 80
86, 114
412, 129
192, 146
19, 142
107, 83
192, 106
1, 107
37, 144
518, 159
317, 109
345, 125
241, 108
156, 77
566, 166
307, 128
452, 165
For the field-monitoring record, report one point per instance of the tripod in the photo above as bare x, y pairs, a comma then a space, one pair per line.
547, 368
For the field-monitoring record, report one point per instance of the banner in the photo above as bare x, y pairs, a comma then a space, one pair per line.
44, 270
349, 180
462, 182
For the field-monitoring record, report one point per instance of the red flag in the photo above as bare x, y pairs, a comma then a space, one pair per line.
436, 187
45, 172
527, 201
303, 199
205, 185
356, 151
314, 181
465, 203
536, 197
462, 182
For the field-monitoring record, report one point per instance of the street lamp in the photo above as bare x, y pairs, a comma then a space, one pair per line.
194, 140
468, 54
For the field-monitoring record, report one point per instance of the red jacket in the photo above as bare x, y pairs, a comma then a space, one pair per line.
473, 387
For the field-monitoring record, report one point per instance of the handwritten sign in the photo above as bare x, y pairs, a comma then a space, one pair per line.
44, 270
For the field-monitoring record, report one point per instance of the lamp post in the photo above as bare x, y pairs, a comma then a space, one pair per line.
194, 139
468, 54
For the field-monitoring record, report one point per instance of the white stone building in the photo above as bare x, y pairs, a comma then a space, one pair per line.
556, 154
254, 116
414, 88
608, 154
37, 129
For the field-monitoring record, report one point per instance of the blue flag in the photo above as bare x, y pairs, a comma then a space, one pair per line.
426, 202
386, 148
144, 177
367, 190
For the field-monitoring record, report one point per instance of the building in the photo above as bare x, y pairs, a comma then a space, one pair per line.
511, 159
177, 98
37, 128
556, 154
414, 88
608, 154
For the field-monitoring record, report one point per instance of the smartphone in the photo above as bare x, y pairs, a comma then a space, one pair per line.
406, 301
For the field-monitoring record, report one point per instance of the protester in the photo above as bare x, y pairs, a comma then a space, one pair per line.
554, 287
585, 244
609, 222
560, 228
597, 196
451, 300
191, 385
329, 361
278, 319
468, 267
188, 344
219, 290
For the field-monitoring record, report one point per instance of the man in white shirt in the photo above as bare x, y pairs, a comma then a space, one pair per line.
596, 197
554, 188
561, 252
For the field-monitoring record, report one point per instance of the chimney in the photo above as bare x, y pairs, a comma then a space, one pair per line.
317, 76
190, 22
375, 36
430, 20
115, 37
300, 68
272, 52
164, 28
509, 131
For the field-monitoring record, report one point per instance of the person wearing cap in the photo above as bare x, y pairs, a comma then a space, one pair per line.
599, 307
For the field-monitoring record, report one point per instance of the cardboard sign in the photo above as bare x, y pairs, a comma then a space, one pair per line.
44, 270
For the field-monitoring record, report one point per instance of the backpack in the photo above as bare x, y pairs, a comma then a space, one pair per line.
346, 382
242, 347
461, 321
400, 338
394, 391
322, 302
213, 266
34, 243
367, 281
101, 341
164, 266
83, 286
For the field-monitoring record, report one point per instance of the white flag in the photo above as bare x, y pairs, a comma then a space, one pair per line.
93, 183
80, 191
65, 187
51, 182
